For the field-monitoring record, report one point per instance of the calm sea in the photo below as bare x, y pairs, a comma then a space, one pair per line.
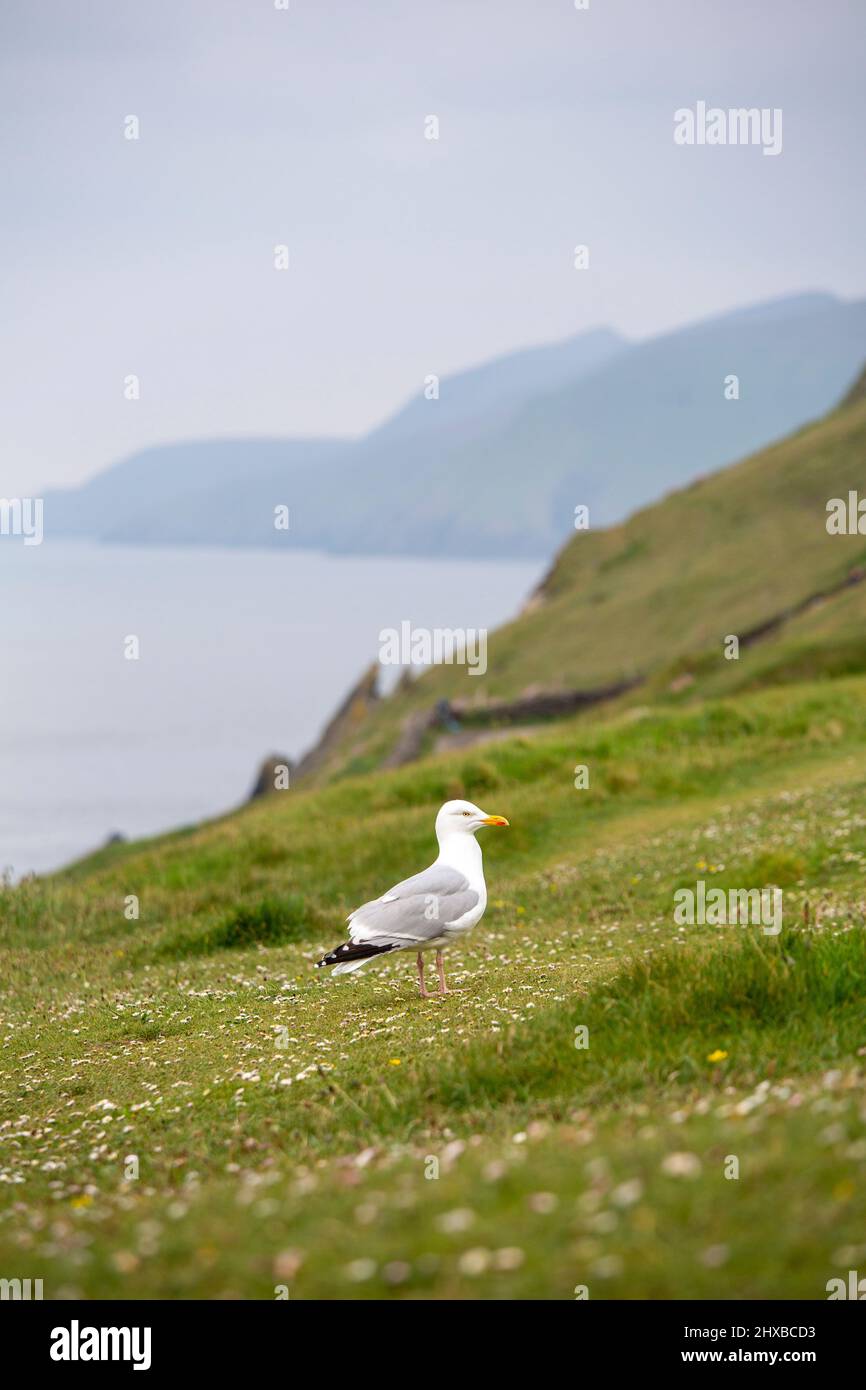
242, 653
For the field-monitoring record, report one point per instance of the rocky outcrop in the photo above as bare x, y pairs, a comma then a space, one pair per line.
346, 722
273, 775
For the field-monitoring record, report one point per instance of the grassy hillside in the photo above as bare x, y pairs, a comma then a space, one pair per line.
658, 595
285, 1125
191, 1110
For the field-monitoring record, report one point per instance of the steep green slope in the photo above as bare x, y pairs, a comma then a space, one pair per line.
657, 596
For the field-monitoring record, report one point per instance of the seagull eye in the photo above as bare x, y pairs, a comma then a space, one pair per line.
466, 813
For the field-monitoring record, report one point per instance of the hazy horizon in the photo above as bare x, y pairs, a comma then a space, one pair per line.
262, 127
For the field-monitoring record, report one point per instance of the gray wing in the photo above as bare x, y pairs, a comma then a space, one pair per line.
414, 911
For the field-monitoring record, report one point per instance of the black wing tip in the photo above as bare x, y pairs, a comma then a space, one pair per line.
353, 950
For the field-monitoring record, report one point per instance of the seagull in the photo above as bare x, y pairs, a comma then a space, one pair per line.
429, 910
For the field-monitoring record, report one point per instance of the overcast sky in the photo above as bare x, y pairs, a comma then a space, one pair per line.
260, 126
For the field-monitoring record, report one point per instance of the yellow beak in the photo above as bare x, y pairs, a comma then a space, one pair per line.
494, 820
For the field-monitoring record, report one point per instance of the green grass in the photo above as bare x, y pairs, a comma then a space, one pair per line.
268, 922
286, 1124
658, 595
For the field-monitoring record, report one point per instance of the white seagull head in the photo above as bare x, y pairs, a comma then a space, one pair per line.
462, 818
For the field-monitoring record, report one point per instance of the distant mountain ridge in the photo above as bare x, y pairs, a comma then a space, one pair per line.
496, 464
158, 477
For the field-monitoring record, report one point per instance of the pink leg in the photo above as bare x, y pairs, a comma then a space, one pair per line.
440, 966
421, 990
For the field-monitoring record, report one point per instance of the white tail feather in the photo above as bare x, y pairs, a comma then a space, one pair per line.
351, 965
